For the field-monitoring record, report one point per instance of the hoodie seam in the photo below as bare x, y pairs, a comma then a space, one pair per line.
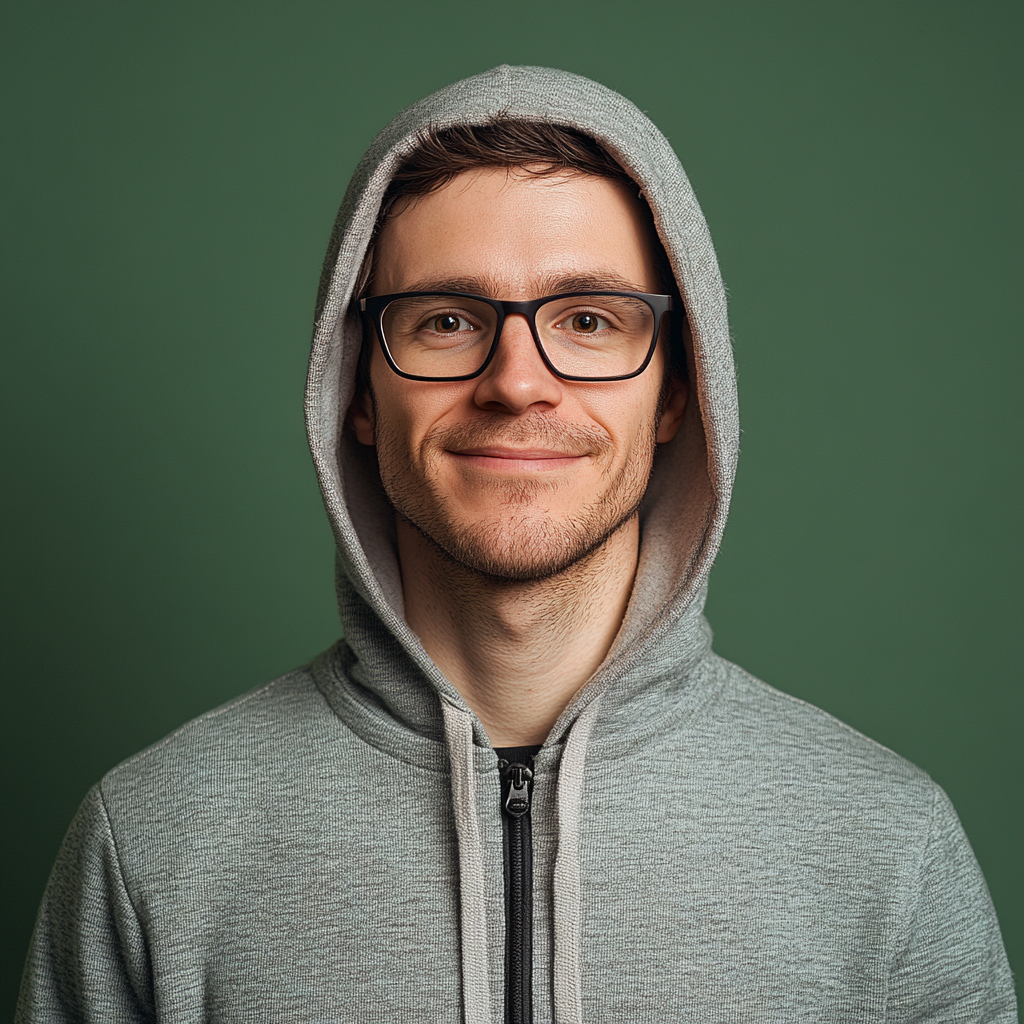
374, 744
195, 722
345, 697
909, 907
703, 696
814, 709
108, 826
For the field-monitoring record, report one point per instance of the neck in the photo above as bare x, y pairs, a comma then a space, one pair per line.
517, 650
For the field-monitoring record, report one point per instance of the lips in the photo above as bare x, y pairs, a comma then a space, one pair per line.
517, 462
517, 454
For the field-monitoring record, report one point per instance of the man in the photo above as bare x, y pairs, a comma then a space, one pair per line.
522, 787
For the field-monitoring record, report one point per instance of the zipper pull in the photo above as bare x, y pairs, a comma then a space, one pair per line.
519, 777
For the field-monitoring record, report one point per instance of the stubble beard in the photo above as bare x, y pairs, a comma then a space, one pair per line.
523, 540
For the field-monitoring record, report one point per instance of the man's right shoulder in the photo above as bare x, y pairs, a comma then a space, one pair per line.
271, 730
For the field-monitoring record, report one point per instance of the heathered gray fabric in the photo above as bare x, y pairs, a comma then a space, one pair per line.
328, 847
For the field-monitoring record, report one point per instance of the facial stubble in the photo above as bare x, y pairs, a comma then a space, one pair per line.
523, 540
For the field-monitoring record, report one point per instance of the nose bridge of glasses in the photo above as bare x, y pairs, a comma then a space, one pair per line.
517, 337
522, 312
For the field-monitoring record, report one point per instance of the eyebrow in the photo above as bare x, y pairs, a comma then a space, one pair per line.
491, 288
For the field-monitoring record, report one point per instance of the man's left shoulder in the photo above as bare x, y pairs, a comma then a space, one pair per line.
793, 742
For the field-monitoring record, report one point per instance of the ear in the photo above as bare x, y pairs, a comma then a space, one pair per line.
360, 415
675, 406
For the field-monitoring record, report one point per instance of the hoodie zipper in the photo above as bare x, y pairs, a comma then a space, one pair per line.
516, 791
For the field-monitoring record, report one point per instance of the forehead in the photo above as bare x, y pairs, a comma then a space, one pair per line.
510, 234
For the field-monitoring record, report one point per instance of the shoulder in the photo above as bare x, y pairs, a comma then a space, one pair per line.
793, 731
845, 824
799, 764
269, 732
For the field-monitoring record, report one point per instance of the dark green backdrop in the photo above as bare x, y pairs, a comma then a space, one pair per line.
171, 172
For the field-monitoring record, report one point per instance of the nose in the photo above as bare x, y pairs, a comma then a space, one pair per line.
517, 379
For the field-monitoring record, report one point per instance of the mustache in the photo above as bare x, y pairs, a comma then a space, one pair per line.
534, 431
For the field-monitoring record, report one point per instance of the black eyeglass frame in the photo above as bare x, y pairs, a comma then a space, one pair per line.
373, 307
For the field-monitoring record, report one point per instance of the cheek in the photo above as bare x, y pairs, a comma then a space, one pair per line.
406, 411
629, 415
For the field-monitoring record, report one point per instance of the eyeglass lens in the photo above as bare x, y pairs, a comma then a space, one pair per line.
582, 335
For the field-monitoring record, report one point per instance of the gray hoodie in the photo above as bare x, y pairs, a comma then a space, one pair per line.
328, 847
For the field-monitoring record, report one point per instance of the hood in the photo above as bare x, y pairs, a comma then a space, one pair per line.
646, 675
685, 509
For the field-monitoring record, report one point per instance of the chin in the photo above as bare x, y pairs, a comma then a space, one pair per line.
522, 548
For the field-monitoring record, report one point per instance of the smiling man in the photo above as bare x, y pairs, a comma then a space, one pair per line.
522, 787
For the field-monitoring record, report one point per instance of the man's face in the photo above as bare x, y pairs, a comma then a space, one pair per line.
517, 473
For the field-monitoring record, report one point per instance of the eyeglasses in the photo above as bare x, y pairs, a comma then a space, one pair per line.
593, 336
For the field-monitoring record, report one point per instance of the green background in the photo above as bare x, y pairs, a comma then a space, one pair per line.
171, 173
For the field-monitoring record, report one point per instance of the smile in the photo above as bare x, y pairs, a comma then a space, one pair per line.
496, 458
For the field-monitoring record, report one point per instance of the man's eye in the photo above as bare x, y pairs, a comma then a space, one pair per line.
449, 323
585, 323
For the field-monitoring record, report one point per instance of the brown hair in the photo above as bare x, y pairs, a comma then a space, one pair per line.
540, 148
533, 147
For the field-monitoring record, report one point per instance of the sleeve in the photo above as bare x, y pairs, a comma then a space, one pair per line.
952, 966
88, 961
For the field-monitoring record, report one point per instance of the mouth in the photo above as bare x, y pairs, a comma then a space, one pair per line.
503, 459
